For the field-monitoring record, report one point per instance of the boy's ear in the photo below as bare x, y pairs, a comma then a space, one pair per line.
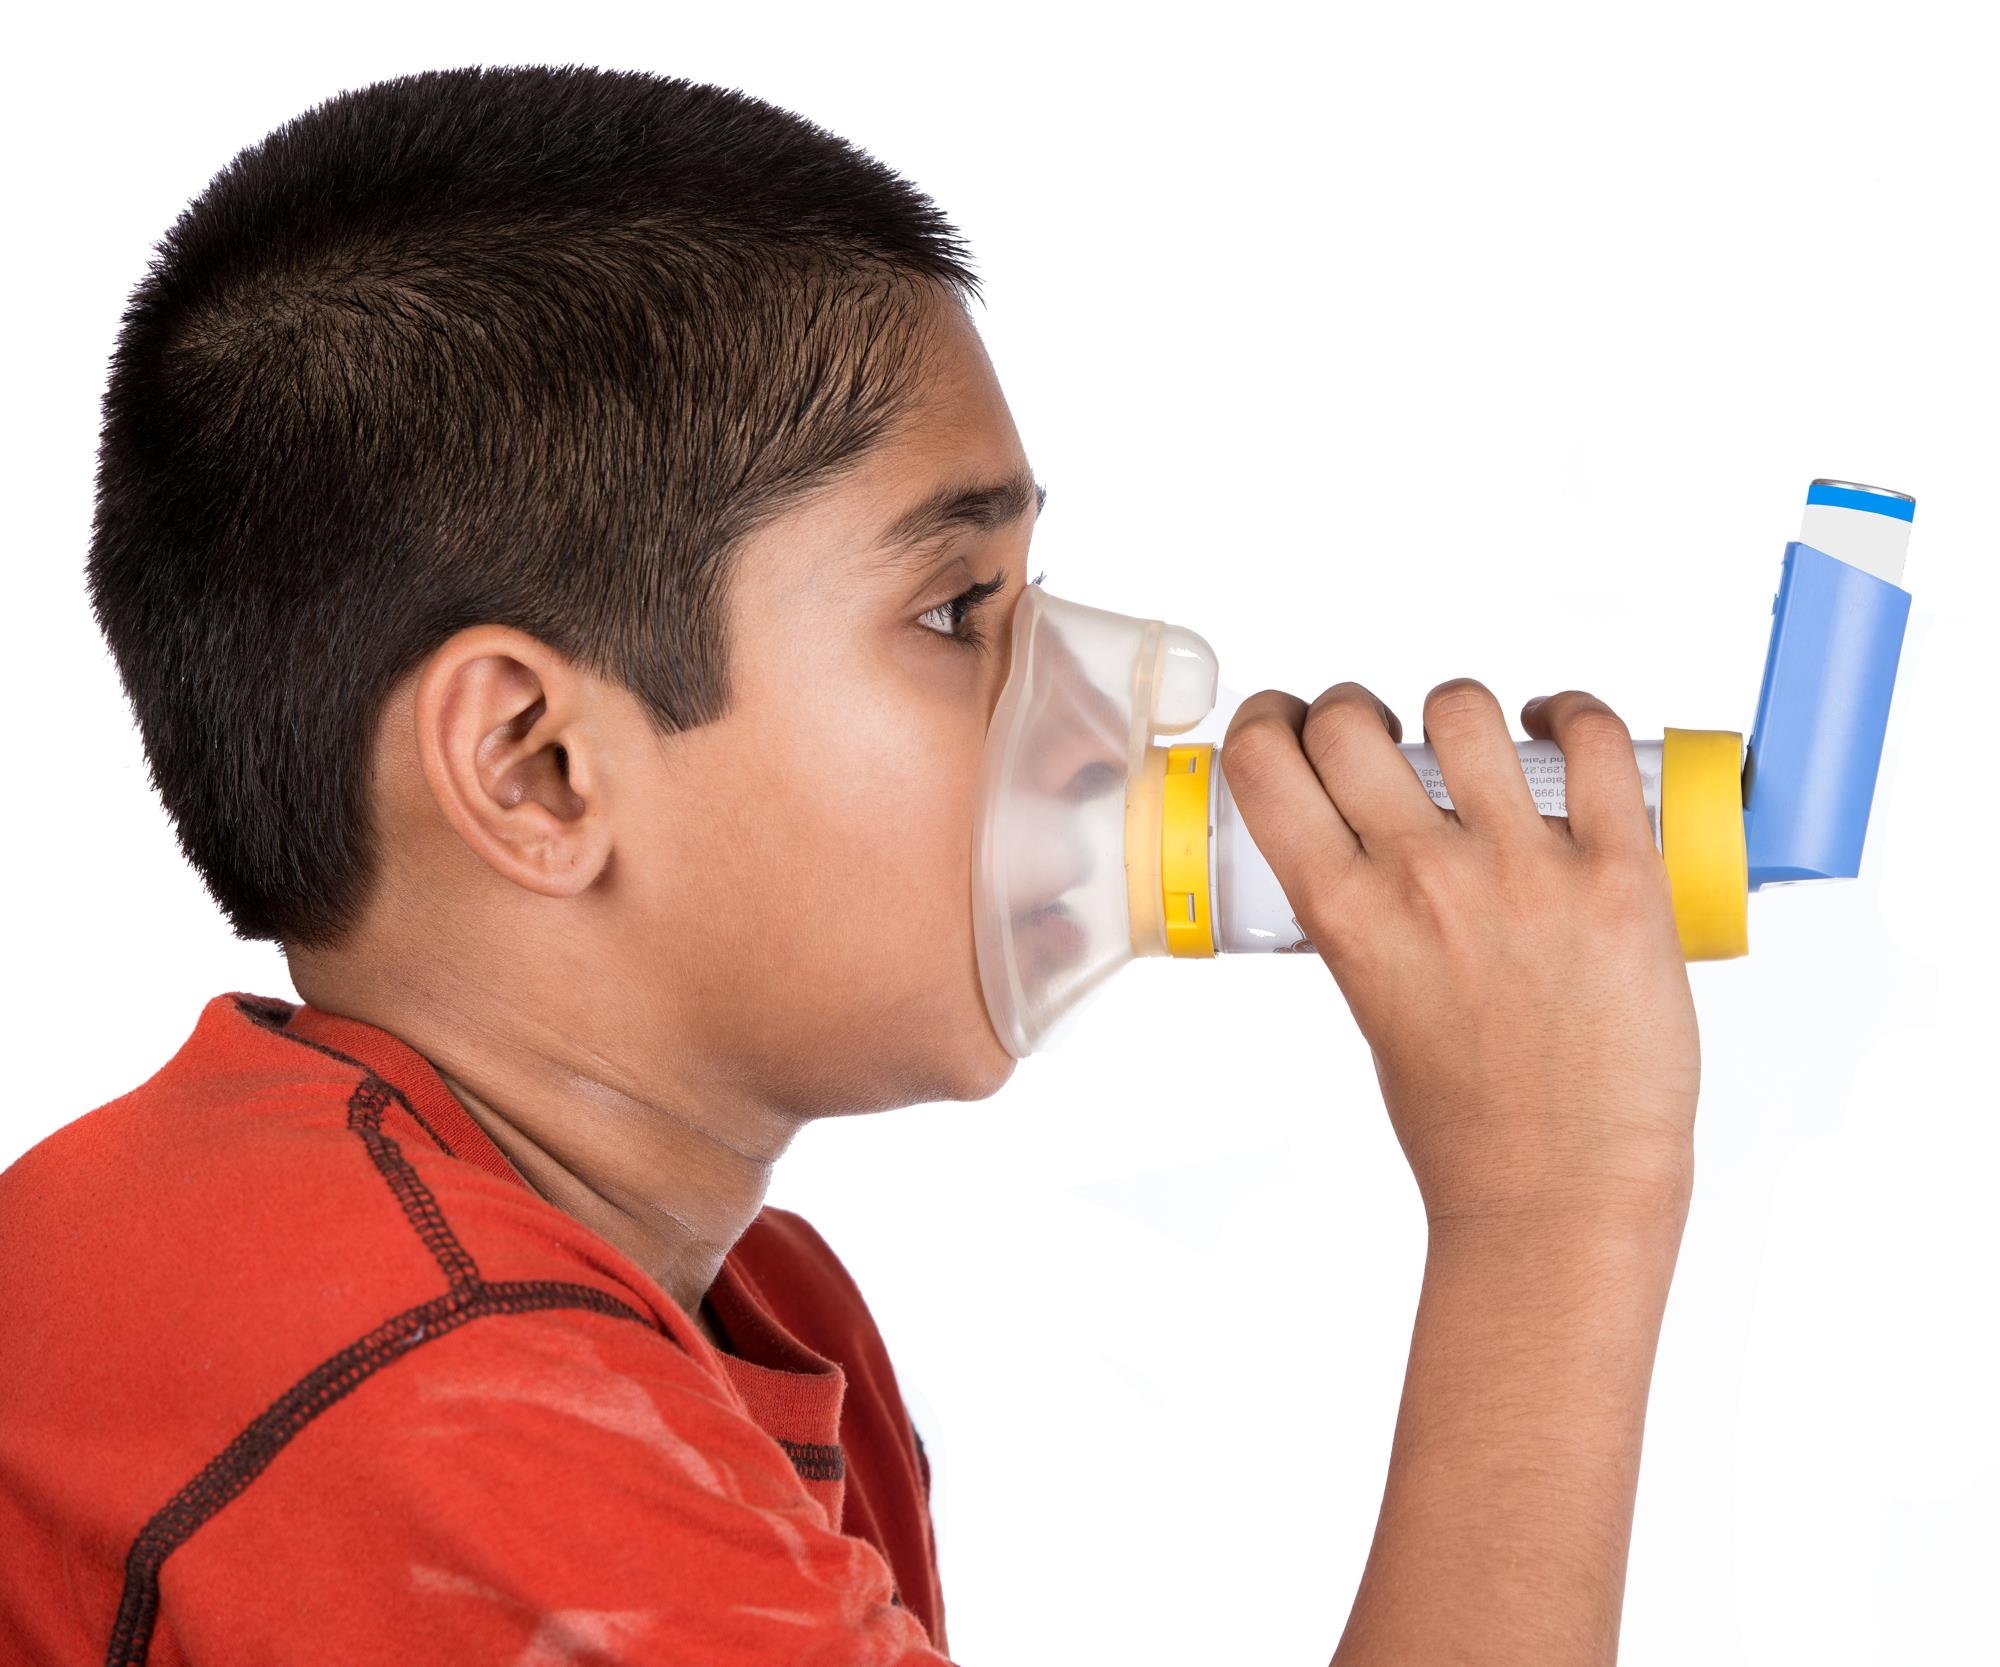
503, 738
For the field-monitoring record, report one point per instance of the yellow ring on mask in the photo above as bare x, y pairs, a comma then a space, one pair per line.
1184, 833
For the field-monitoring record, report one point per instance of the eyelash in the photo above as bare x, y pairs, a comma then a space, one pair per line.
964, 606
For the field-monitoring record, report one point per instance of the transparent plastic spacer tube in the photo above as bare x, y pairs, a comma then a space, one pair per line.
1251, 912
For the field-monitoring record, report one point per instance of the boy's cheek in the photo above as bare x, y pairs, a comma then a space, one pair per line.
825, 889
882, 913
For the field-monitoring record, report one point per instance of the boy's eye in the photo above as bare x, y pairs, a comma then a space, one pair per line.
954, 619
942, 618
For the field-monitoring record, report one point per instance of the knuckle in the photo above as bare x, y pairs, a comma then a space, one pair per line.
1338, 713
1596, 725
1629, 884
1343, 694
1274, 706
1254, 749
1458, 699
1432, 872
1315, 893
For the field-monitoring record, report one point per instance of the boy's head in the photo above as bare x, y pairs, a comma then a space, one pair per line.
510, 536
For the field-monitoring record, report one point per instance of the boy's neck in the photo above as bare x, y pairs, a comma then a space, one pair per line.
671, 1178
674, 1202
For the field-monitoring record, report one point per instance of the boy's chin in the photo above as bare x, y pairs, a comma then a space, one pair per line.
992, 1070
968, 1064
967, 1060
977, 1067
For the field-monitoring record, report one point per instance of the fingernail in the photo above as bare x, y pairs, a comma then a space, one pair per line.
1534, 702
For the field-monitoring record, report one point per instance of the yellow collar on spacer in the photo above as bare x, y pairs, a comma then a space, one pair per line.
1184, 835
1701, 837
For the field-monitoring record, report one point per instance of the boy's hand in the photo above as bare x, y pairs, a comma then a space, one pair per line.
1518, 977
1522, 985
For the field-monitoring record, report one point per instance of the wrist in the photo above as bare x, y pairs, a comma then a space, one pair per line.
1647, 1205
1549, 1266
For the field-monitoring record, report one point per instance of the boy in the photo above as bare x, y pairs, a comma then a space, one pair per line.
550, 524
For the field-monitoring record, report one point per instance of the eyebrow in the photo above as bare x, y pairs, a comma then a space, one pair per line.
979, 508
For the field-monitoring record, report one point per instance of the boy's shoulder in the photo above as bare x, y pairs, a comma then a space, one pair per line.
249, 1282
257, 1205
267, 1197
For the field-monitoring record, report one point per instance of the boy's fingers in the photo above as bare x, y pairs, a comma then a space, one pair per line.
1464, 726
1283, 804
1350, 737
1605, 803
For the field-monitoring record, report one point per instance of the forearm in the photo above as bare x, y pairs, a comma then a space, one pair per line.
1507, 1513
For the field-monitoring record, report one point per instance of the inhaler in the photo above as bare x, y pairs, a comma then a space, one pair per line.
1099, 842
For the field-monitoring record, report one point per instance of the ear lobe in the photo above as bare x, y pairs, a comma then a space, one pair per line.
507, 762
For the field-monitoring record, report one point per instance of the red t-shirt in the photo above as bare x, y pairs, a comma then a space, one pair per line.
295, 1367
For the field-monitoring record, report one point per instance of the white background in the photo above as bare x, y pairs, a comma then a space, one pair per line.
1380, 342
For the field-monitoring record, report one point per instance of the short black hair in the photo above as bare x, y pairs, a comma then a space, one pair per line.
530, 346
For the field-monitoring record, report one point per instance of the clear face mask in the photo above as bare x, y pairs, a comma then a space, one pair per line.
1106, 831
1057, 907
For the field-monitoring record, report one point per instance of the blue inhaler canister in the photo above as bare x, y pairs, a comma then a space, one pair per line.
1836, 635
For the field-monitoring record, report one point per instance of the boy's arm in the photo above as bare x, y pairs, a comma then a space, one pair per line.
1508, 1507
1521, 984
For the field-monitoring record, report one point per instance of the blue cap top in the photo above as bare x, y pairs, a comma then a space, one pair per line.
1847, 494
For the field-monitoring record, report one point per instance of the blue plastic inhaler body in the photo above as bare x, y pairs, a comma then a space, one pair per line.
1836, 636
